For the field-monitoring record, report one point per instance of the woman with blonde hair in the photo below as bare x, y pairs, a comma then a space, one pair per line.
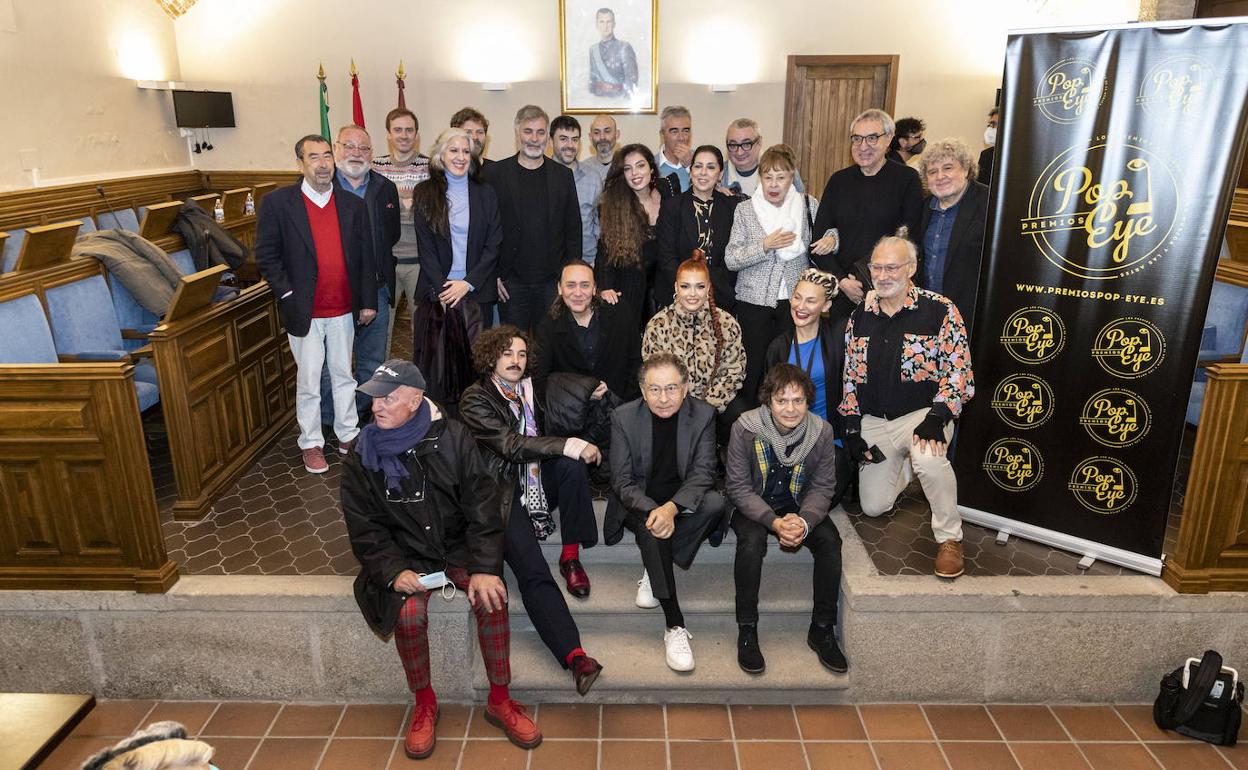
705, 337
769, 248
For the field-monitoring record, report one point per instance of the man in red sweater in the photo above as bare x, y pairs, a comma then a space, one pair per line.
314, 249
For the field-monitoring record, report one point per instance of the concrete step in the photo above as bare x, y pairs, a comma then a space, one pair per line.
635, 670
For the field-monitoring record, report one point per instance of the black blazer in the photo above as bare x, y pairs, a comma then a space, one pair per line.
381, 197
619, 351
286, 256
484, 236
564, 218
966, 242
677, 234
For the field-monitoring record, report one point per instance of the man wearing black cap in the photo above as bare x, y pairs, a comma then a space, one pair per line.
422, 512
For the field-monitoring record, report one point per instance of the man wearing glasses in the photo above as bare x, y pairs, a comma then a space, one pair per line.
745, 146
353, 156
907, 375
866, 201
662, 478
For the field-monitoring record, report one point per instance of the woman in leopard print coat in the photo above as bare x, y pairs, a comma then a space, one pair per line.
706, 338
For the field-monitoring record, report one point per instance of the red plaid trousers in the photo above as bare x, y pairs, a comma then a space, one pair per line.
411, 637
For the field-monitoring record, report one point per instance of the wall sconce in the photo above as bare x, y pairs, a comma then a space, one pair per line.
723, 88
161, 85
495, 86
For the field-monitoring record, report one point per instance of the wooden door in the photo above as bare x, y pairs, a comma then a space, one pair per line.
821, 95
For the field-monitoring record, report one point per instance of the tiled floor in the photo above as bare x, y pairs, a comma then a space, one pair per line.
276, 736
280, 520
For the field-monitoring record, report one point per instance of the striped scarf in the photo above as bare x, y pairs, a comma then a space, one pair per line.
534, 496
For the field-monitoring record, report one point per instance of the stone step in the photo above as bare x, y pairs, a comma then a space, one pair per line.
635, 670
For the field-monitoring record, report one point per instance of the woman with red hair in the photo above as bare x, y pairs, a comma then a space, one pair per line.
702, 335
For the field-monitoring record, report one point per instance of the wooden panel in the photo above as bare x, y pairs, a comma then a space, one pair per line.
35, 723
229, 391
822, 95
47, 245
1212, 550
264, 189
46, 205
207, 201
194, 293
158, 219
79, 510
234, 201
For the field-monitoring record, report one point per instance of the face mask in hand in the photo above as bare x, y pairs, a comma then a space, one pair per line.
990, 135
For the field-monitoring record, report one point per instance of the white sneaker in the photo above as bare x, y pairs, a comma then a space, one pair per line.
679, 653
645, 597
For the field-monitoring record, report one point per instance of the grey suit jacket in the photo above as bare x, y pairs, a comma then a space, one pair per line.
632, 460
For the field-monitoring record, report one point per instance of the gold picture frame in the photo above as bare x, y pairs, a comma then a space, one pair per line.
601, 72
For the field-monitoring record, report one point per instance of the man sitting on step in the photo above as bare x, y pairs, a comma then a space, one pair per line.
781, 478
662, 474
422, 512
537, 474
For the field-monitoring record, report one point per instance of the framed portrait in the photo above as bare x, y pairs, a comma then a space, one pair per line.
609, 55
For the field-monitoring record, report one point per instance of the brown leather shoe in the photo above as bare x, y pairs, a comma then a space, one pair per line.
585, 671
314, 460
578, 580
511, 718
345, 447
421, 736
949, 559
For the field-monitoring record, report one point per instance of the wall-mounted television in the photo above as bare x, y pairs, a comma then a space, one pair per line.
203, 109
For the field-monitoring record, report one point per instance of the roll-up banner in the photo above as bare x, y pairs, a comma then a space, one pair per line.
1115, 170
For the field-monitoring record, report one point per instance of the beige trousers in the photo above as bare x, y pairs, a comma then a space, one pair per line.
879, 484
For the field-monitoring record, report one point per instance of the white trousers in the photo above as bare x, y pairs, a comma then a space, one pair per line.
327, 344
879, 484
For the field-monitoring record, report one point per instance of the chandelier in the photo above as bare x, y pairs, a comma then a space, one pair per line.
175, 8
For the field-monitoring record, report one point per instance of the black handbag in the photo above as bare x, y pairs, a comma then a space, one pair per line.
1201, 699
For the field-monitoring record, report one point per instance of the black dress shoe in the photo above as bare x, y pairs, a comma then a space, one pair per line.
823, 642
749, 656
585, 671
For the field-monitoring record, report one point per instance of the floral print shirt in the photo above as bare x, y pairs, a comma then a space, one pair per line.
897, 364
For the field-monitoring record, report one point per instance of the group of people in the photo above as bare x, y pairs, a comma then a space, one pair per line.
658, 322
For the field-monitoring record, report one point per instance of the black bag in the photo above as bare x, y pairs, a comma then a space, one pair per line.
1201, 702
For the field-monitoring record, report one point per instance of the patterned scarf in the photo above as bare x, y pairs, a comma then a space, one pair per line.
534, 496
790, 448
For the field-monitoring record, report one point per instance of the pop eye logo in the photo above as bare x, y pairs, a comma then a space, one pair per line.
1104, 211
1068, 88
1103, 485
1023, 401
1176, 85
1116, 417
1013, 464
1033, 335
1129, 347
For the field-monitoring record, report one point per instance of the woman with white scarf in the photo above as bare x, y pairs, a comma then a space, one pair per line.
769, 250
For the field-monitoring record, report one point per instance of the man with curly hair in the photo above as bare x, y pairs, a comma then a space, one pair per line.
538, 473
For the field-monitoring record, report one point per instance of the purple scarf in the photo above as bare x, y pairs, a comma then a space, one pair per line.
380, 449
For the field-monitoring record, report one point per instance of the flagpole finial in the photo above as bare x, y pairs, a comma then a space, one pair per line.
320, 73
401, 72
353, 71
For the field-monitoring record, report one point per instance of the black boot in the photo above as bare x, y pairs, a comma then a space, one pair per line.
822, 639
749, 656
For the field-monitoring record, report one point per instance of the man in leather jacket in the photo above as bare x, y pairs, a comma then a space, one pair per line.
422, 511
538, 473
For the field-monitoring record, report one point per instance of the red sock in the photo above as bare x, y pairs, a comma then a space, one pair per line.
425, 696
499, 694
572, 656
570, 552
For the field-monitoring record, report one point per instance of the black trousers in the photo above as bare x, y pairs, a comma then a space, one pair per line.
528, 304
567, 486
824, 541
692, 527
759, 326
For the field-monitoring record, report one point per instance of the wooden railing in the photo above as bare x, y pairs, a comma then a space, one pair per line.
1212, 551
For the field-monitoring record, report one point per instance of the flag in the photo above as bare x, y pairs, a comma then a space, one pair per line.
357, 108
324, 103
399, 81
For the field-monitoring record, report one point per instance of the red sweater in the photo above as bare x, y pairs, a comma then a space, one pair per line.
333, 290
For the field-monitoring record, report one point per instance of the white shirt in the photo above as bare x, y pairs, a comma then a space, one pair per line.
320, 199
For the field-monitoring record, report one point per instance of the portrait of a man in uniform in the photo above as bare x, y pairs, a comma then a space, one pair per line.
612, 62
608, 62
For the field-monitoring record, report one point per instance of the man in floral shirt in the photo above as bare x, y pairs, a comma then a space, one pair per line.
907, 375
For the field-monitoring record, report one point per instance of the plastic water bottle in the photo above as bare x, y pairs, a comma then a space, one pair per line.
218, 211
249, 206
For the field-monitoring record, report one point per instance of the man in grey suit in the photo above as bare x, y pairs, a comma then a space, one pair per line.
662, 473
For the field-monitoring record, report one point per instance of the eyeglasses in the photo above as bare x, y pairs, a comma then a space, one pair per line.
747, 145
886, 269
353, 147
654, 390
871, 139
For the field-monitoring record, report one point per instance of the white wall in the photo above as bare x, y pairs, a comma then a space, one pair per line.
68, 90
